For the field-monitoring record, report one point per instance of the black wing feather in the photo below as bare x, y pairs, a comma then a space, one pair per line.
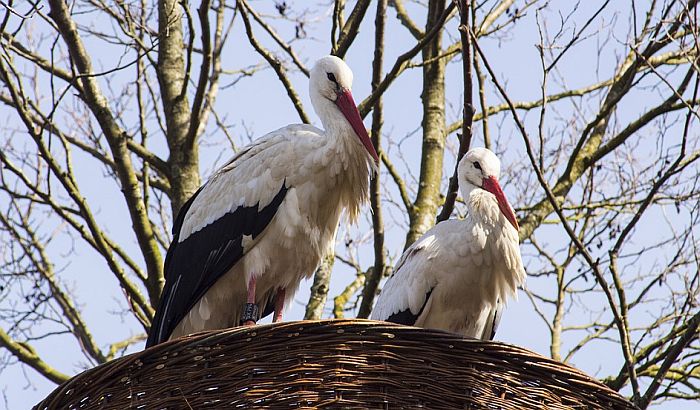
195, 264
405, 317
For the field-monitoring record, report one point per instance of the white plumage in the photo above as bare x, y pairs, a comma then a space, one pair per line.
267, 217
458, 275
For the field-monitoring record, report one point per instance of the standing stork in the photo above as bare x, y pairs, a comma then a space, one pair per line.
459, 274
262, 223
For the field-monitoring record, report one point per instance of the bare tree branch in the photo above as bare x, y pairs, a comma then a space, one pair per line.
373, 276
117, 142
274, 63
405, 19
403, 61
28, 356
465, 138
349, 30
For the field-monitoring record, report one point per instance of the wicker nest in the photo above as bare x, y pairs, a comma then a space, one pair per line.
338, 364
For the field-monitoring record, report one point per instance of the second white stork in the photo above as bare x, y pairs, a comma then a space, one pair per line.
262, 223
458, 275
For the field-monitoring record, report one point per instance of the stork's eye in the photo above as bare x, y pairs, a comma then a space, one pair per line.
331, 77
477, 166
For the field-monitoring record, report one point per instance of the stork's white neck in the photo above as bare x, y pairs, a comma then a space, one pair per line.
341, 136
482, 206
334, 122
350, 163
501, 241
466, 189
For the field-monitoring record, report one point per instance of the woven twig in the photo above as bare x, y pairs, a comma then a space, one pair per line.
333, 364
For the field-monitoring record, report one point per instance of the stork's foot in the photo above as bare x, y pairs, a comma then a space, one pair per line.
251, 314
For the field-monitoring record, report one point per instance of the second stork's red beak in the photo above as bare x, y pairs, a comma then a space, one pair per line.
491, 184
347, 106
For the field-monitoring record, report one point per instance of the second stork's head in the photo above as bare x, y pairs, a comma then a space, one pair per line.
480, 168
330, 87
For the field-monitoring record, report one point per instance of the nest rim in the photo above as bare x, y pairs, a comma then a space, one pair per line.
381, 350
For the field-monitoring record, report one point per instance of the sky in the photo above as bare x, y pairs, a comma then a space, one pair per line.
257, 105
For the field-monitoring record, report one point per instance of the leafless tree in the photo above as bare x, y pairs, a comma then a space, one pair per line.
593, 108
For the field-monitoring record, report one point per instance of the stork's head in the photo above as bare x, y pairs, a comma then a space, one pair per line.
330, 88
480, 168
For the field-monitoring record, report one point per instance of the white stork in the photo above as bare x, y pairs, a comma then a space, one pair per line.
459, 274
262, 223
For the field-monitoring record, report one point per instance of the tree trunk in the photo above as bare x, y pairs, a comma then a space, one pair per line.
172, 77
433, 96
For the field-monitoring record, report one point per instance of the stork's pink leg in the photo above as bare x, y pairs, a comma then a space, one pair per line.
251, 290
279, 305
250, 309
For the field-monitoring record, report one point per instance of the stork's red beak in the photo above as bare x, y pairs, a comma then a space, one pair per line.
491, 184
347, 106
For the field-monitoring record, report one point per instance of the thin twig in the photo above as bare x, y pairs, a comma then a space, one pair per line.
403, 61
349, 30
285, 46
196, 111
274, 63
23, 16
